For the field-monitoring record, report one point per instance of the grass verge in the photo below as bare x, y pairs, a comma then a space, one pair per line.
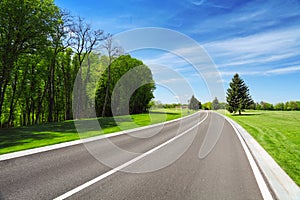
22, 138
278, 132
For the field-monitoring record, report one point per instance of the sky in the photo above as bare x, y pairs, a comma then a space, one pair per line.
259, 40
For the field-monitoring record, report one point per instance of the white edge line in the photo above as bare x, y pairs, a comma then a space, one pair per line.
80, 141
99, 178
264, 190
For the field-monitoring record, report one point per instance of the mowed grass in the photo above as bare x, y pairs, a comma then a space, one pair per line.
21, 138
278, 132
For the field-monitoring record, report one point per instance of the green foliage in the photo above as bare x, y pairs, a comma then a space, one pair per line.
40, 60
279, 106
207, 106
222, 105
173, 105
266, 106
194, 103
156, 104
25, 33
287, 106
140, 75
215, 104
238, 97
292, 105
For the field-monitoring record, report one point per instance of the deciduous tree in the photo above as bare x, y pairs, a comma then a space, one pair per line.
140, 76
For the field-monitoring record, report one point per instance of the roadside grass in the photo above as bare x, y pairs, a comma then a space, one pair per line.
22, 138
278, 132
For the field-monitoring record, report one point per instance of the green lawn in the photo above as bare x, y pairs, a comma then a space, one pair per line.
278, 132
16, 139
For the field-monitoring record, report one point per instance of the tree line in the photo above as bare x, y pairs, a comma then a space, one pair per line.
287, 106
238, 98
44, 51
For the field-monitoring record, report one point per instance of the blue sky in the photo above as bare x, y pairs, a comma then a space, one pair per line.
260, 40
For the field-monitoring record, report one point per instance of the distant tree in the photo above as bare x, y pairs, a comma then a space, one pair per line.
279, 106
194, 103
266, 106
200, 105
173, 105
215, 104
222, 105
257, 106
291, 105
207, 106
238, 97
139, 100
158, 104
298, 103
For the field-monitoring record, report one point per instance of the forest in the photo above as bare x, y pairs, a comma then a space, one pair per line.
44, 51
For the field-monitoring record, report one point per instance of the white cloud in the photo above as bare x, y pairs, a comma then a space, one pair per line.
257, 54
253, 60
259, 44
172, 80
285, 70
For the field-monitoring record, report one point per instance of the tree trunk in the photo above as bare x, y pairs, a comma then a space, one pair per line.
86, 81
240, 112
107, 91
2, 94
40, 104
32, 110
12, 101
5, 78
51, 93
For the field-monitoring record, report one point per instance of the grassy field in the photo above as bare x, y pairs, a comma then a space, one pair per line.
278, 132
16, 139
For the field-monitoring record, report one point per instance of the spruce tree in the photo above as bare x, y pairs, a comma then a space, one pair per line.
194, 103
215, 104
238, 97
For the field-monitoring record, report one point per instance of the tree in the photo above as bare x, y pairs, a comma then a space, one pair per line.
194, 103
238, 97
291, 105
25, 27
215, 104
279, 106
222, 105
138, 101
83, 41
207, 106
266, 106
59, 41
113, 53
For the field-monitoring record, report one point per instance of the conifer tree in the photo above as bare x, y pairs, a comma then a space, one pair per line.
238, 96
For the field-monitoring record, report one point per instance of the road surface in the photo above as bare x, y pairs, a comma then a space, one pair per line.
225, 173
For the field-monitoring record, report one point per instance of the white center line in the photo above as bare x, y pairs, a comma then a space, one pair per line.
99, 178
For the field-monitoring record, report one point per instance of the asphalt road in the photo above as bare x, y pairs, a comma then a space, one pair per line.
175, 170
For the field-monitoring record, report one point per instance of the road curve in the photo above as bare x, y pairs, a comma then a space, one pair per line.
224, 173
